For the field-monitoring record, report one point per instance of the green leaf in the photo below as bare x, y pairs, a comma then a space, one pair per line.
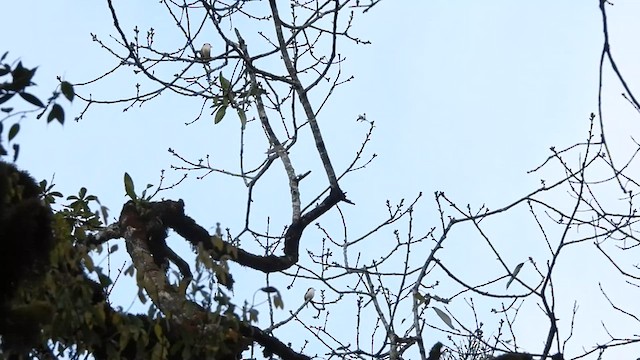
227, 94
105, 213
253, 315
31, 99
128, 186
243, 118
444, 317
220, 114
88, 262
277, 302
224, 83
13, 131
67, 90
56, 113
144, 193
6, 97
157, 329
515, 272
141, 296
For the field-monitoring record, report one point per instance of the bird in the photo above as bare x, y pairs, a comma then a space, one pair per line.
205, 52
309, 295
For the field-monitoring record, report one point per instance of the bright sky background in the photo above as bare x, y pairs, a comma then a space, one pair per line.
467, 96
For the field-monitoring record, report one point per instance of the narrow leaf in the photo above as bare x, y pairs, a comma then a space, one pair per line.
88, 262
224, 83
243, 118
157, 329
31, 99
515, 272
128, 186
444, 317
141, 296
13, 131
220, 114
6, 97
105, 213
269, 289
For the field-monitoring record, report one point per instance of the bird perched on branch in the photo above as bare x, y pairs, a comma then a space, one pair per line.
205, 52
309, 295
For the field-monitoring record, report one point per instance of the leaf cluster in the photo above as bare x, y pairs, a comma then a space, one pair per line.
15, 80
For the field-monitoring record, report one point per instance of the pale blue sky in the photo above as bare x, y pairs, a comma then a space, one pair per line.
466, 96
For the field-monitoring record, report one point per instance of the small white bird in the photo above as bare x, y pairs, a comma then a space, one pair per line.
309, 295
205, 52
